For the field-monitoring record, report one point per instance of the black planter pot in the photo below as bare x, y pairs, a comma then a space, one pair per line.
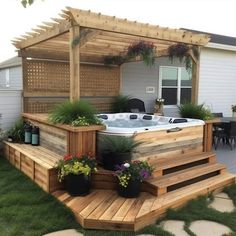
77, 185
132, 190
111, 160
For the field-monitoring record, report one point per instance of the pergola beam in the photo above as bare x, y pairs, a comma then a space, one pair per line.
107, 23
74, 65
50, 32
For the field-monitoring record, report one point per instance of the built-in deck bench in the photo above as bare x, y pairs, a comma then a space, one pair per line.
36, 162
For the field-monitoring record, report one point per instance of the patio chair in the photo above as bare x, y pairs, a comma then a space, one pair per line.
136, 105
231, 134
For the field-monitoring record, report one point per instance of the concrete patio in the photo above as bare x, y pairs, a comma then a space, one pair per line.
226, 156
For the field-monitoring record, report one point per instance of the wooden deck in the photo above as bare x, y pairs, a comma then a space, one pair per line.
104, 209
176, 180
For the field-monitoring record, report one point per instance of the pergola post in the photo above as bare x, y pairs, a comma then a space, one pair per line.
195, 77
74, 64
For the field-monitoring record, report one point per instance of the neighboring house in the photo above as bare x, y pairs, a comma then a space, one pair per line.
217, 85
10, 91
217, 80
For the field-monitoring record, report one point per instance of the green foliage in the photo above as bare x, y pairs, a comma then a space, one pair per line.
120, 103
233, 108
78, 164
26, 209
26, 3
181, 51
190, 110
16, 132
133, 171
118, 144
69, 112
144, 49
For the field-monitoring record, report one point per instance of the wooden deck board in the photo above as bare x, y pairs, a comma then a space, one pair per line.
112, 212
96, 214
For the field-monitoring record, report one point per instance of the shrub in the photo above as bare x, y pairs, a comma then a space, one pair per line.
78, 113
118, 144
121, 103
16, 132
190, 110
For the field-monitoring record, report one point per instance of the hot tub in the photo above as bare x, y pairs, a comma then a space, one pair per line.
128, 124
160, 135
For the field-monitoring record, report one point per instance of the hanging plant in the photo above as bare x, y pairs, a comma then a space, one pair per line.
114, 60
146, 50
181, 51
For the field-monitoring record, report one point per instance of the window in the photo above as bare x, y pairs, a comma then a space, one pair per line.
175, 85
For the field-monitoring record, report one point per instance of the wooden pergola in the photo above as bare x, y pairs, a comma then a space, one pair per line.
96, 37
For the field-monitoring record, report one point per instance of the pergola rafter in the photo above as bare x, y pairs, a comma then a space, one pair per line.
83, 36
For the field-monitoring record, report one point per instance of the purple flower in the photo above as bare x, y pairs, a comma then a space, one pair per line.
144, 174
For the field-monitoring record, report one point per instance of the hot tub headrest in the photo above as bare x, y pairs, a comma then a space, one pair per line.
104, 117
133, 117
178, 120
147, 117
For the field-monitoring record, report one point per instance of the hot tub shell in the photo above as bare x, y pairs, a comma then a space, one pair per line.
163, 138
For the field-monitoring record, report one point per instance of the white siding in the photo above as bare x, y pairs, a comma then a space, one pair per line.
10, 108
136, 76
217, 84
15, 78
10, 97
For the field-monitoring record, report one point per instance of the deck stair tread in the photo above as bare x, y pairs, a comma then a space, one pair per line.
105, 207
183, 175
38, 154
181, 160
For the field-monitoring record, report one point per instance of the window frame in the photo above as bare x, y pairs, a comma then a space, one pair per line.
179, 68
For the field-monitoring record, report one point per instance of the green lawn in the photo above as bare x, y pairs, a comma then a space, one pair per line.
25, 209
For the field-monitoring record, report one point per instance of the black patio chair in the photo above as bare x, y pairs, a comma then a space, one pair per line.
136, 105
231, 134
218, 114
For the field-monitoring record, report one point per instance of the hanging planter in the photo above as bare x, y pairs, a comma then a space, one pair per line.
182, 51
143, 49
114, 60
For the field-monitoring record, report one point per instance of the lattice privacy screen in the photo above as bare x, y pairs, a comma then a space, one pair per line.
45, 81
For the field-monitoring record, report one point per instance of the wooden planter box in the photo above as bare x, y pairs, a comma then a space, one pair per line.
207, 134
64, 139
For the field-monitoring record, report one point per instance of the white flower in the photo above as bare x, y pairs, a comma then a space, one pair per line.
126, 165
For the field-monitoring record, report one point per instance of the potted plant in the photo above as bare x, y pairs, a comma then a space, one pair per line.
191, 110
76, 170
159, 103
130, 176
76, 113
234, 110
16, 133
116, 150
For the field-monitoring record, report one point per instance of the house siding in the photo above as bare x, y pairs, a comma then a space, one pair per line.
136, 76
10, 97
217, 83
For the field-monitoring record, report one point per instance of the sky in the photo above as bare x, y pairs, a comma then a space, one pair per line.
214, 16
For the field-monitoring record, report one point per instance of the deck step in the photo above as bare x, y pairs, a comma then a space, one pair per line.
36, 162
167, 166
173, 181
